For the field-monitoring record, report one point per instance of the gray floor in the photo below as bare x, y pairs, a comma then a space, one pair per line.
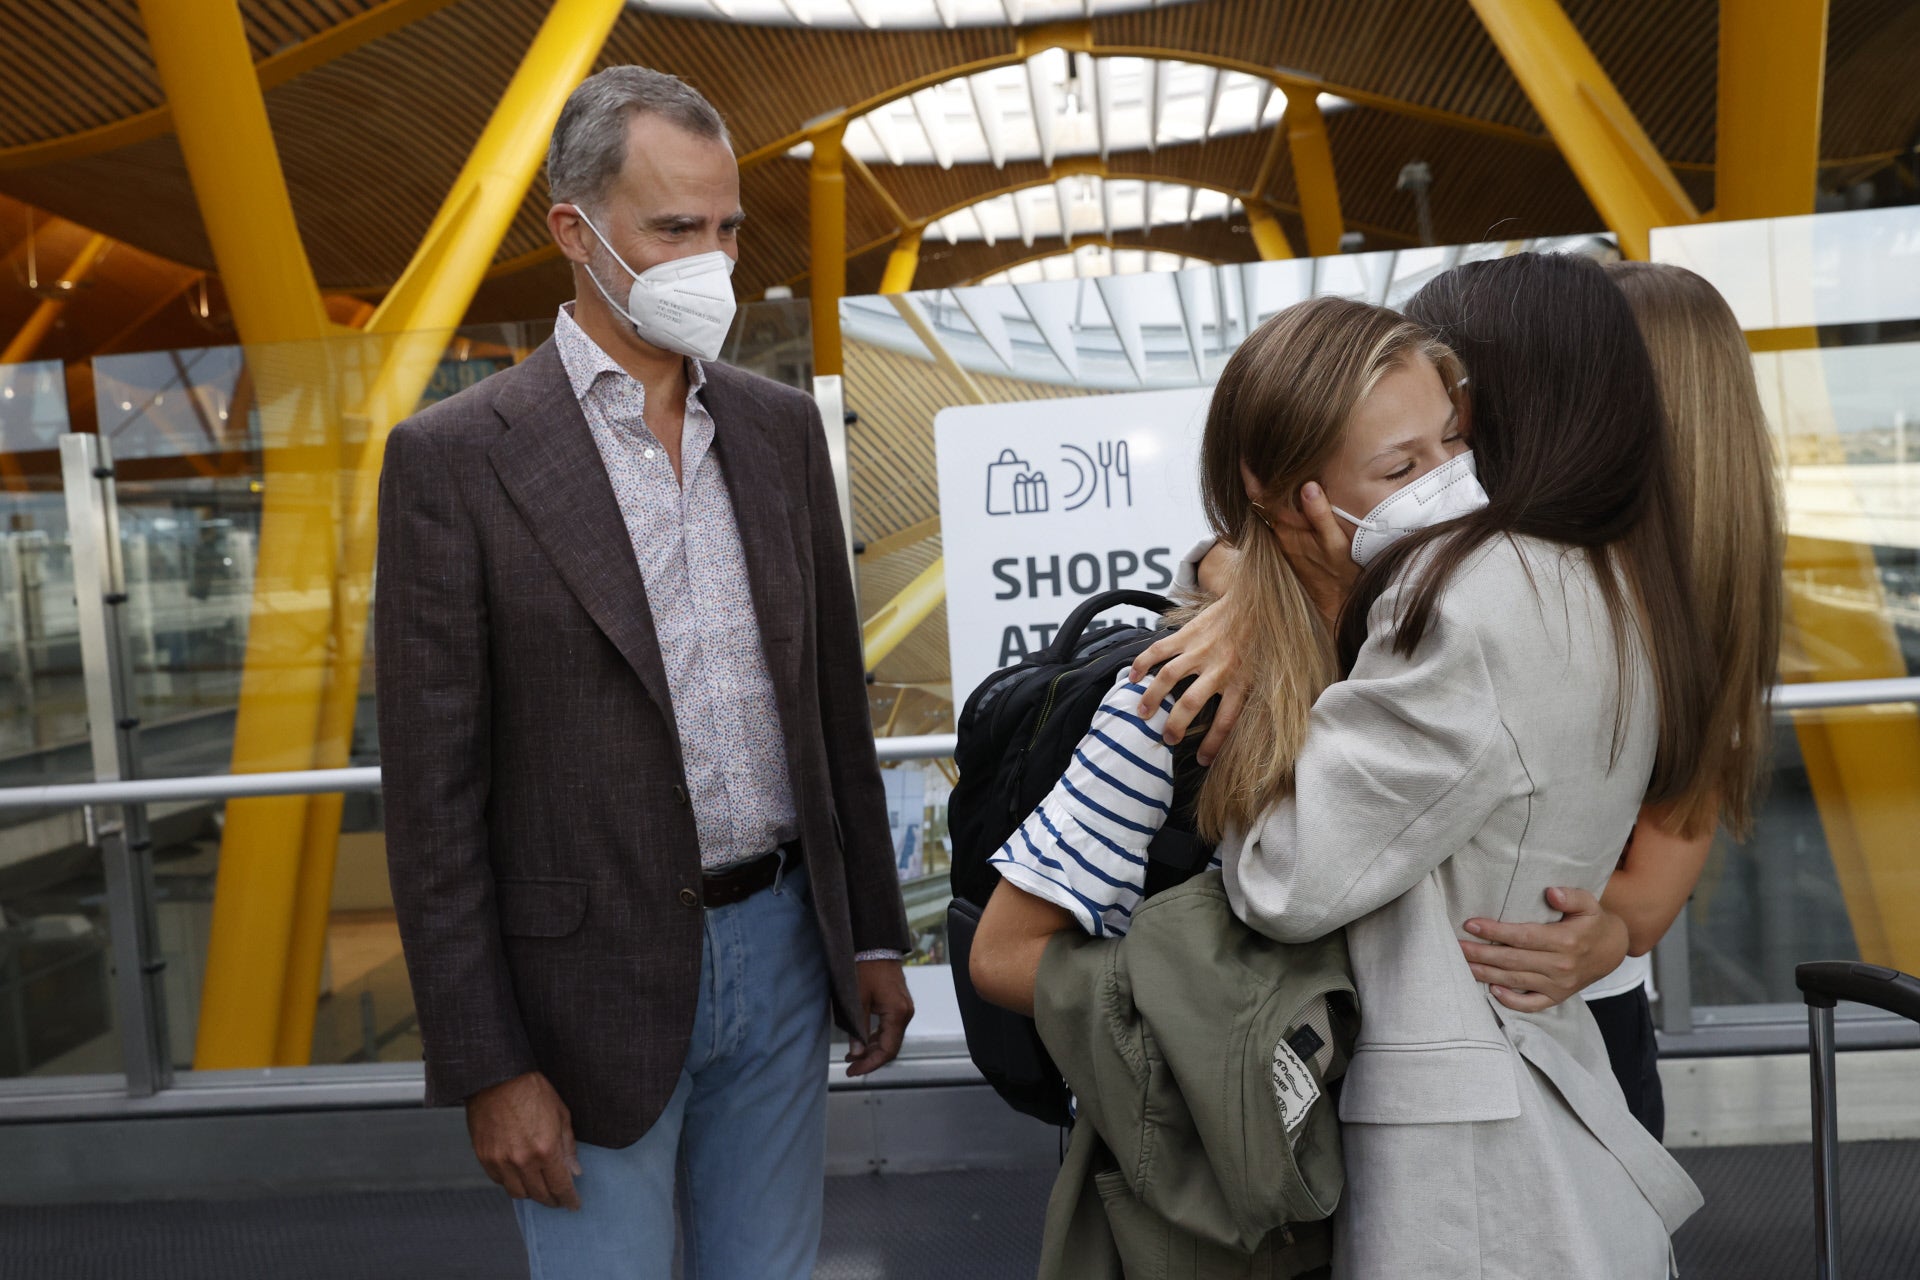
980, 1226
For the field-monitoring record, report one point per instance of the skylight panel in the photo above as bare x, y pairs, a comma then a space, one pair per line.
893, 14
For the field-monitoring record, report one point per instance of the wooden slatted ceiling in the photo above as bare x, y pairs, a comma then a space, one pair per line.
1538, 195
1216, 240
1873, 78
371, 140
768, 81
1664, 60
1431, 52
99, 47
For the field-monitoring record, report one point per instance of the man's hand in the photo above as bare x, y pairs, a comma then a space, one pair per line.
523, 1135
883, 1001
1321, 552
1531, 967
1203, 649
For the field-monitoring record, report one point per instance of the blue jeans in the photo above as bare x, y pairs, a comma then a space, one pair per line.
747, 1124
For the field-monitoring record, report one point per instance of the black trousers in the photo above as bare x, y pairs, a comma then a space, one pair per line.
1626, 1023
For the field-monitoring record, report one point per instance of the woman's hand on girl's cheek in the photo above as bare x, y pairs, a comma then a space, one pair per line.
1321, 553
1203, 649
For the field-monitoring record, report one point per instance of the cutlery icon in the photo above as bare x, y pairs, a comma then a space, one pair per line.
1114, 462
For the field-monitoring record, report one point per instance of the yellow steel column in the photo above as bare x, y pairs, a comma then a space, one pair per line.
902, 263
1864, 765
881, 634
200, 51
827, 222
1625, 177
1269, 237
1773, 63
1313, 174
414, 323
23, 343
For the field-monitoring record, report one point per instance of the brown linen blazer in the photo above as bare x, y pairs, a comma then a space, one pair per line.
541, 846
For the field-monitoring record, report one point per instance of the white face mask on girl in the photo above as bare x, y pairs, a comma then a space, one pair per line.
1450, 490
684, 305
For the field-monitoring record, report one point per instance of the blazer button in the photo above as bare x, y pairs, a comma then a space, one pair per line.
679, 794
689, 898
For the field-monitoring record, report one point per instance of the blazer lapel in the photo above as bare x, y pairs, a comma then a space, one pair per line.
758, 490
552, 470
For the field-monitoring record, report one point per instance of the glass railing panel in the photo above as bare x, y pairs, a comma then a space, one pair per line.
43, 729
57, 1015
1831, 304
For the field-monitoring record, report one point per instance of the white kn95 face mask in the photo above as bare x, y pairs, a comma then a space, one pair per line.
1450, 490
684, 305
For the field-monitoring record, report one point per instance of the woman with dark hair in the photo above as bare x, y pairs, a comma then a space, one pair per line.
1518, 682
1721, 461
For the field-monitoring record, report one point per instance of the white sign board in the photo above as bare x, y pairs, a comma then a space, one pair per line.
1046, 502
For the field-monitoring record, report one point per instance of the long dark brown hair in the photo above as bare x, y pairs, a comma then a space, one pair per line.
1571, 445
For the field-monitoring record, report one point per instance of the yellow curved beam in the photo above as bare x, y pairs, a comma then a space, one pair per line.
276, 69
201, 53
1081, 242
1075, 167
903, 263
1313, 175
22, 346
827, 242
414, 324
1773, 65
881, 634
1616, 163
1290, 83
1269, 238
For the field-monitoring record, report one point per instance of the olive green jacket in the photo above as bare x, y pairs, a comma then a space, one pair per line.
1198, 1052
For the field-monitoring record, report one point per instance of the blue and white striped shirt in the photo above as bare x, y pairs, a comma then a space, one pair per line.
1085, 848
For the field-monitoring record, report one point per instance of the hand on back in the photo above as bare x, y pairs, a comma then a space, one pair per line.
1532, 967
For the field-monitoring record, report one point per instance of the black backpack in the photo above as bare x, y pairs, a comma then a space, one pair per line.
1017, 734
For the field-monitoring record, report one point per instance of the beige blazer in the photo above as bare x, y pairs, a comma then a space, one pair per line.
1502, 758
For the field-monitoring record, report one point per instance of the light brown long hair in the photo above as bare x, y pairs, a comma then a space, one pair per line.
1721, 460
1277, 416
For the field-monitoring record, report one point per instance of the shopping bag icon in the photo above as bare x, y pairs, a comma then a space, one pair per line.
1013, 487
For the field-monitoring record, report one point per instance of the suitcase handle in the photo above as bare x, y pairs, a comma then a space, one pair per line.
1822, 982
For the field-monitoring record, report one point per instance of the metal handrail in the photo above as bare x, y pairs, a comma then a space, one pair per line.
1845, 693
927, 746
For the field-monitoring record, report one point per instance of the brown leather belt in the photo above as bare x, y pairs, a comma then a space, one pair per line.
737, 884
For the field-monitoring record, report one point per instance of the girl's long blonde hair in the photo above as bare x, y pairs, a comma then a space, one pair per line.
1723, 473
1277, 416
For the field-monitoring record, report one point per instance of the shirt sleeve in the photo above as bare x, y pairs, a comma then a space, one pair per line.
1404, 762
1084, 849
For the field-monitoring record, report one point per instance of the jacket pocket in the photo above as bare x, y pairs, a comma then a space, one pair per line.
1445, 1083
540, 908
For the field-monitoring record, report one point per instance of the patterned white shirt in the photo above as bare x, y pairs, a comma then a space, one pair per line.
688, 548
1085, 848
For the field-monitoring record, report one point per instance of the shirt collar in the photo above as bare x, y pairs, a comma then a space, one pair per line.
586, 361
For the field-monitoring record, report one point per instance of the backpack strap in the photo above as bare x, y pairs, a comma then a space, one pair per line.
1180, 849
1061, 649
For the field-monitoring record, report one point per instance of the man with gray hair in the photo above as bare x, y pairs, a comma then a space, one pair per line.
635, 828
